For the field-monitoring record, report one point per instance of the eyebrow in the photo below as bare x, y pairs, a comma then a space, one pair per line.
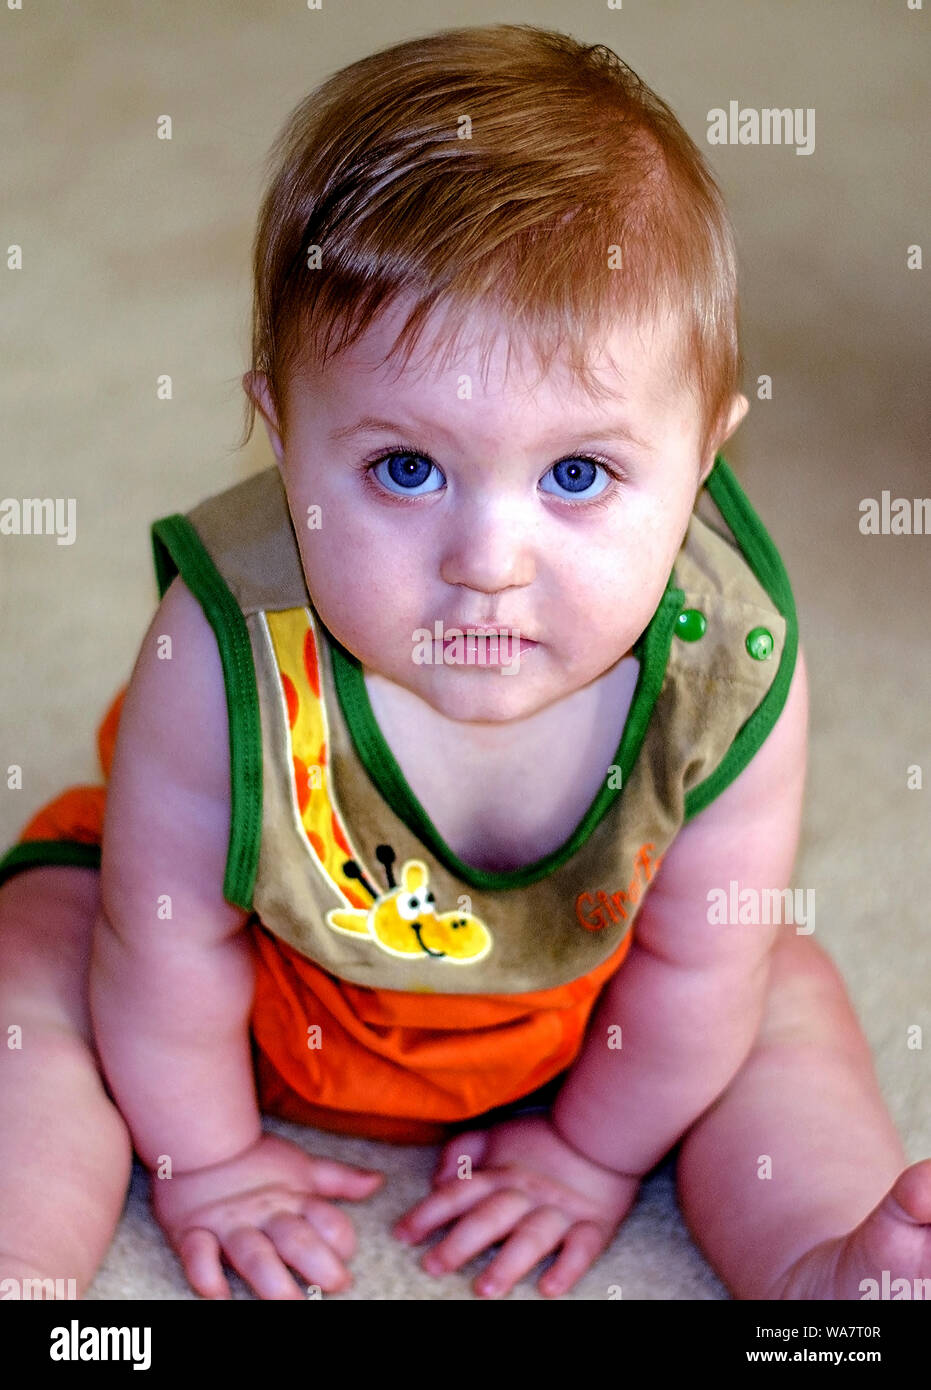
617, 429
369, 423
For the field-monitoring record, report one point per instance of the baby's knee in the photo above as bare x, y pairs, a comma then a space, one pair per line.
798, 962
806, 1000
46, 922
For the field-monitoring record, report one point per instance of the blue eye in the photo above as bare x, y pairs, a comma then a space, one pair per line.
577, 475
405, 472
408, 471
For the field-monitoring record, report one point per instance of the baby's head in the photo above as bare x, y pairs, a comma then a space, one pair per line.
495, 344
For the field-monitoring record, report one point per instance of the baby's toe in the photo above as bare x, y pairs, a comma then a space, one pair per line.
912, 1192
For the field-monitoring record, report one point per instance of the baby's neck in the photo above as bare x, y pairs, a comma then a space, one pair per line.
398, 709
505, 795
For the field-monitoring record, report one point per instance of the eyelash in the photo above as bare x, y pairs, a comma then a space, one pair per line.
603, 499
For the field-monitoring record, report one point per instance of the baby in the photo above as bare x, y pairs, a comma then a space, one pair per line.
449, 730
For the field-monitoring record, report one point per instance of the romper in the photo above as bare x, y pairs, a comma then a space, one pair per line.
400, 992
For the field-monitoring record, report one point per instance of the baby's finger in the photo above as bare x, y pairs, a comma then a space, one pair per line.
444, 1205
333, 1225
254, 1257
332, 1179
487, 1224
470, 1142
199, 1252
535, 1236
304, 1249
584, 1244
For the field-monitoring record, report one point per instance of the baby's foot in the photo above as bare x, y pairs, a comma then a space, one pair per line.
893, 1243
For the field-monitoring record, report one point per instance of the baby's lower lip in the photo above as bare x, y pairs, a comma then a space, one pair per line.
505, 651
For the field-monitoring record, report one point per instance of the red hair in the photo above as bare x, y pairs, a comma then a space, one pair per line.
569, 155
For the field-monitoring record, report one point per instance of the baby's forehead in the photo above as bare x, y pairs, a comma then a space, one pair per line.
629, 399
636, 359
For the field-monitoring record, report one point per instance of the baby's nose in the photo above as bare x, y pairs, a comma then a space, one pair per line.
491, 549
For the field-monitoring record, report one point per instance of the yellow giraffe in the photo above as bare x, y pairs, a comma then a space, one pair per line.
402, 921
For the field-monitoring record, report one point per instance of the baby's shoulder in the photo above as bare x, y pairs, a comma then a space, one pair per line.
748, 835
168, 796
176, 702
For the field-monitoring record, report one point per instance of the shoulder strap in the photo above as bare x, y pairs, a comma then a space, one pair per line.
729, 537
237, 554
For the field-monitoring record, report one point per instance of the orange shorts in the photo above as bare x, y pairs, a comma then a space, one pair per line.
380, 1064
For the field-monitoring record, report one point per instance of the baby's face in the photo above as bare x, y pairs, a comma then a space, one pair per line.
437, 506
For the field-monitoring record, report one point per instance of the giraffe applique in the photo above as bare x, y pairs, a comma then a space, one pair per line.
403, 921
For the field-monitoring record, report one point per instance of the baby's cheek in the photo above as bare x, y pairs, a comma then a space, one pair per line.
367, 617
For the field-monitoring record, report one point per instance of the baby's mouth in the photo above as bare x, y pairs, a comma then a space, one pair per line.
487, 648
480, 636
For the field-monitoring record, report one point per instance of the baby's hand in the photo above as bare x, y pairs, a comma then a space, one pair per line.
263, 1212
526, 1184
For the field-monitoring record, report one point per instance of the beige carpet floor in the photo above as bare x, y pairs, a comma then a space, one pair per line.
136, 263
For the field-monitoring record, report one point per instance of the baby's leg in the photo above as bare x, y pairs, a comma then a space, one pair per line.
807, 1100
65, 1152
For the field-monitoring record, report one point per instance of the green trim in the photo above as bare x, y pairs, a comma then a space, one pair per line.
652, 650
178, 548
35, 854
764, 559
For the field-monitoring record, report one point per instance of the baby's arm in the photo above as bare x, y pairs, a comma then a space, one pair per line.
690, 996
171, 981
689, 999
172, 985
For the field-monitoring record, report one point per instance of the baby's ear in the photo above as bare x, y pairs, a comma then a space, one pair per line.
255, 386
739, 407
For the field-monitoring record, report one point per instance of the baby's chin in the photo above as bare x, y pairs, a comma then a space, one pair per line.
485, 696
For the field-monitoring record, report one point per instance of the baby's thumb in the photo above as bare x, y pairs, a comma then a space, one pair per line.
332, 1179
470, 1145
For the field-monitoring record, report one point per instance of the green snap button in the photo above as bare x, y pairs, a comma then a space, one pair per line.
690, 625
760, 644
